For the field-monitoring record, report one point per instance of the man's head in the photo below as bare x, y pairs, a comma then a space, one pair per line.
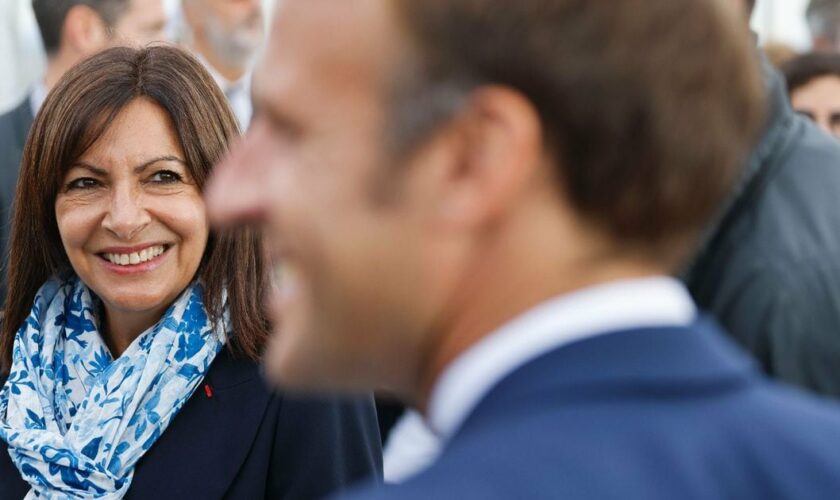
426, 169
824, 22
82, 27
227, 33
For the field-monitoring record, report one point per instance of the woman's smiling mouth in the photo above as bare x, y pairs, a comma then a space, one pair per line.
139, 259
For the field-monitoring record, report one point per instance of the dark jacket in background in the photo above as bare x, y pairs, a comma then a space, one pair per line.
14, 127
241, 441
770, 268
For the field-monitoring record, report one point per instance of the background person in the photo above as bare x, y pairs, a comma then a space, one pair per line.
767, 267
226, 36
813, 84
476, 204
132, 332
823, 18
70, 30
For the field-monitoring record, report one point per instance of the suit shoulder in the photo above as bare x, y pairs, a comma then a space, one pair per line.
564, 451
16, 118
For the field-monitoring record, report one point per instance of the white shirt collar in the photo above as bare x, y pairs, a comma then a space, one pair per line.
646, 302
37, 97
237, 92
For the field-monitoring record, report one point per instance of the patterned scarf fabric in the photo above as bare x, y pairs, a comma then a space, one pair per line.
76, 420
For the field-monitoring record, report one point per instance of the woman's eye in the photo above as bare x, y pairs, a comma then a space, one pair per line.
165, 177
82, 183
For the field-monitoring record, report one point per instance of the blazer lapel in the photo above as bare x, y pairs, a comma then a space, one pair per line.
200, 453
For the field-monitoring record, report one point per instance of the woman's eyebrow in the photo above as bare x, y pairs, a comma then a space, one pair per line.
143, 166
98, 171
101, 172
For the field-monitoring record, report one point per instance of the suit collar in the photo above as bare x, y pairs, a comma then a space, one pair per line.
679, 362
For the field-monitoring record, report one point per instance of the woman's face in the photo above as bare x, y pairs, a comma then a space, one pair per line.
131, 218
819, 100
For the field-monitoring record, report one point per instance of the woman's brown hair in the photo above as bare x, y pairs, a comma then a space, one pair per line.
76, 113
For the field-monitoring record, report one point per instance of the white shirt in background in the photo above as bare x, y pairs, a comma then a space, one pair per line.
238, 93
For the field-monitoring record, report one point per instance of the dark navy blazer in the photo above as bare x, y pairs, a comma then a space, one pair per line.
245, 442
14, 127
649, 414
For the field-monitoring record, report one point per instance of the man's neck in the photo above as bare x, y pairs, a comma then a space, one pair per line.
510, 278
57, 65
230, 72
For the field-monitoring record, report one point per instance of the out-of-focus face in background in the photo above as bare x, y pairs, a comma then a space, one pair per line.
344, 223
813, 82
131, 218
229, 30
142, 23
819, 100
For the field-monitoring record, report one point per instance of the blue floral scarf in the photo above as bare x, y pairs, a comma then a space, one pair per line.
76, 420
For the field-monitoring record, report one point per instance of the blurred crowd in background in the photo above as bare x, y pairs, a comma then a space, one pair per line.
788, 30
232, 32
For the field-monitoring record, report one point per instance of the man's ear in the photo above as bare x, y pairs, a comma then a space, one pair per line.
84, 31
498, 156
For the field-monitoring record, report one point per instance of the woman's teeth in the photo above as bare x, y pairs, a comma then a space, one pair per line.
126, 259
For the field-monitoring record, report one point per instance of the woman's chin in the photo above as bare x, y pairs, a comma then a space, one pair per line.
136, 303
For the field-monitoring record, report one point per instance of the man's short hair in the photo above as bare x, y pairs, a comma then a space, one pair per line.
50, 15
802, 69
648, 107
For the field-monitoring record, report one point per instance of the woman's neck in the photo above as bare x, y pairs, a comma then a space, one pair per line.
120, 328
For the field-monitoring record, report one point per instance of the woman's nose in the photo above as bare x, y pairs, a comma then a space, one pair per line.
127, 214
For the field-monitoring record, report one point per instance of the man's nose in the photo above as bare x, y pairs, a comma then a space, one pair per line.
237, 183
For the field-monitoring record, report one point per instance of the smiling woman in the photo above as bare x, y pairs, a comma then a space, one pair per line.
132, 220
122, 303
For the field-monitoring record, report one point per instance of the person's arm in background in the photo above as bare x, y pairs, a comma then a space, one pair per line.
786, 315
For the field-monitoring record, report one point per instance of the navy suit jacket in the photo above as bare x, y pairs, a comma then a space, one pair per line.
14, 127
666, 413
245, 442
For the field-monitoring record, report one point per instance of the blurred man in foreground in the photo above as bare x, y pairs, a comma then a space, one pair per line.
71, 30
476, 204
226, 36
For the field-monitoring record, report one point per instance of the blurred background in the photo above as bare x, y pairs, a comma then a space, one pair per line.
22, 58
780, 24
